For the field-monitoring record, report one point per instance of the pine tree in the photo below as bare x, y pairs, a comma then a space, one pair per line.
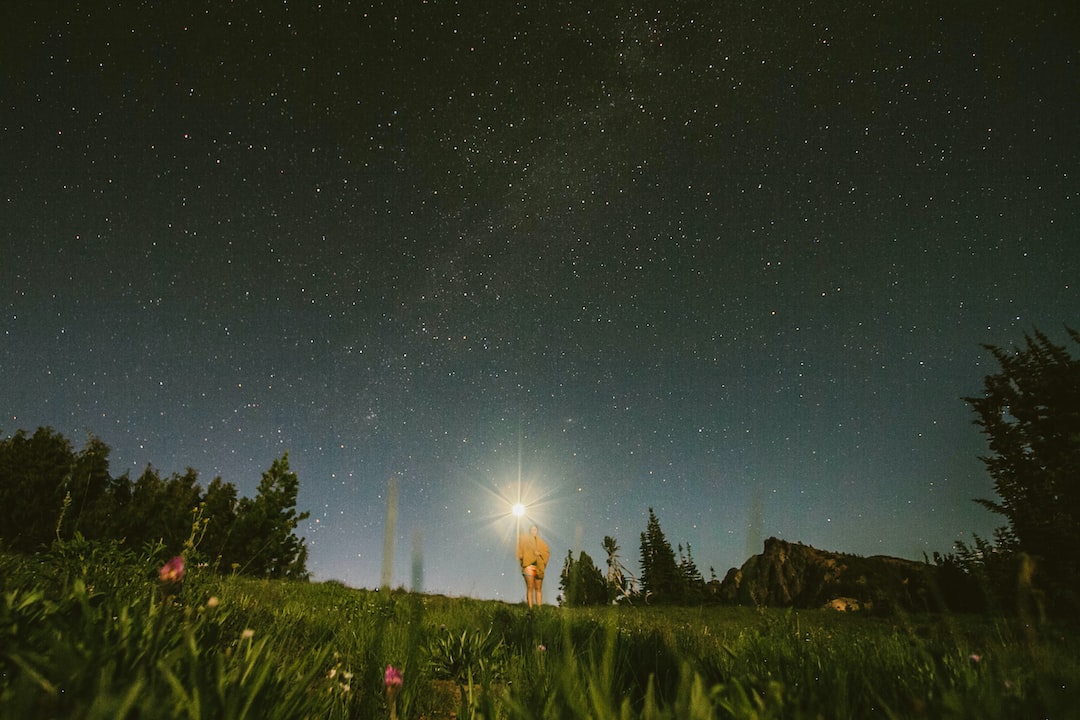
661, 580
581, 582
693, 582
264, 535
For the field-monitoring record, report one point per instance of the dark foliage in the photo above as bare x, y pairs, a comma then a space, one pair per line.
265, 524
50, 492
33, 473
1030, 414
663, 578
581, 582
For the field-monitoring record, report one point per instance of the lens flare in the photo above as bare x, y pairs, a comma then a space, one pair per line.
518, 510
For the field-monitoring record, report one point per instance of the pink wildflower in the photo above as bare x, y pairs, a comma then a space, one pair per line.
172, 571
392, 679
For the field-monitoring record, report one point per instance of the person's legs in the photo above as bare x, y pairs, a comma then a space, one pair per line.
539, 591
530, 589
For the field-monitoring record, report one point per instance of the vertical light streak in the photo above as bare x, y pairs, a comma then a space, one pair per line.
388, 538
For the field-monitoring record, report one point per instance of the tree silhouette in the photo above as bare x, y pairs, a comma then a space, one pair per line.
50, 492
1030, 414
90, 487
693, 582
581, 582
219, 506
157, 509
661, 579
33, 471
264, 535
621, 582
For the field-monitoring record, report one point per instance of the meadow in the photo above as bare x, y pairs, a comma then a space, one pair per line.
99, 632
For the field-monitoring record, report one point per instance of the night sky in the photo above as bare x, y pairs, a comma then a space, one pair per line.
734, 261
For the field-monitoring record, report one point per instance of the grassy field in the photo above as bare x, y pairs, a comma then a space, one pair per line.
90, 632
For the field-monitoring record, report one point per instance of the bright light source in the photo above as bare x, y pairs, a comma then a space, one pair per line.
518, 509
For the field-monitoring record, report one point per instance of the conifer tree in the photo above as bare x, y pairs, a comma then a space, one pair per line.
693, 582
581, 581
263, 536
661, 580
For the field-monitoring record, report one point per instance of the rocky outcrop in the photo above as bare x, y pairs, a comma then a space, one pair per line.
800, 576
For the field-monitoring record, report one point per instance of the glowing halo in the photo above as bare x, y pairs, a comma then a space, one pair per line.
506, 507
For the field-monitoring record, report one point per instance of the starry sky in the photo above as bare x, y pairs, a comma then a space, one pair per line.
733, 261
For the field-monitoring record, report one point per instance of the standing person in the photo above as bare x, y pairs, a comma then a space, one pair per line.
533, 554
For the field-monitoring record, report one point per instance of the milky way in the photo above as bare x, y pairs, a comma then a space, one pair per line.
732, 261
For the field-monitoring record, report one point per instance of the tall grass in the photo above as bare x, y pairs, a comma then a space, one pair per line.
88, 631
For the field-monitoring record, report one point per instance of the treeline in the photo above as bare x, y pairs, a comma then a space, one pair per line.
49, 491
666, 578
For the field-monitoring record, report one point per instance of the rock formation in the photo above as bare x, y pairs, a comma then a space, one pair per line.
800, 576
